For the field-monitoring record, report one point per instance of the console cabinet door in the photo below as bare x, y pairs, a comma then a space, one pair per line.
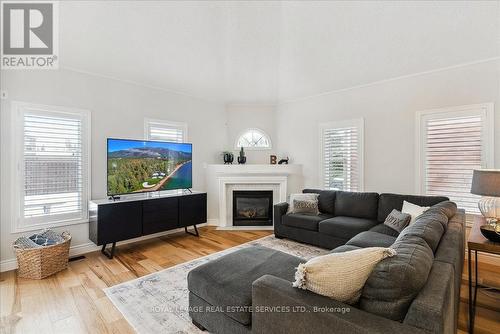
192, 209
160, 215
119, 221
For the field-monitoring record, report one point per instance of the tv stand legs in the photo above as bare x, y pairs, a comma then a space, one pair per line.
196, 234
107, 253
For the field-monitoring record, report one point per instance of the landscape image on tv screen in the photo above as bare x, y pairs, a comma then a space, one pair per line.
136, 166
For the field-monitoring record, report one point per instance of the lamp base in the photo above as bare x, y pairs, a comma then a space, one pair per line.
490, 208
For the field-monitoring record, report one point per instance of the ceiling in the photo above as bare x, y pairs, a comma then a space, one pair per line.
269, 52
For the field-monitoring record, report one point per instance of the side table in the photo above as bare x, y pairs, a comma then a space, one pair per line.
477, 243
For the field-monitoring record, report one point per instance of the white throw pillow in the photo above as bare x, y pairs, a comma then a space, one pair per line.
301, 197
340, 276
413, 210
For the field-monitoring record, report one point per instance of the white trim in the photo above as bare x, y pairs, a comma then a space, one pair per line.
423, 115
17, 126
167, 124
358, 123
383, 81
253, 148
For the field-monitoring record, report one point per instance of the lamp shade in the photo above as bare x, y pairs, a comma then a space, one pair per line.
486, 182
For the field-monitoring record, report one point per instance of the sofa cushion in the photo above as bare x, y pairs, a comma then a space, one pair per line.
304, 221
355, 204
227, 281
344, 248
345, 227
429, 226
326, 200
371, 239
395, 281
384, 229
447, 207
388, 202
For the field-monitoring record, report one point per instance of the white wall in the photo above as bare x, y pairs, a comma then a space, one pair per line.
239, 118
118, 110
388, 109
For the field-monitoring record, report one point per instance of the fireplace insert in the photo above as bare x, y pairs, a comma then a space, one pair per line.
252, 208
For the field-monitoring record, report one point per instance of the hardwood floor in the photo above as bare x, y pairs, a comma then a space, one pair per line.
73, 301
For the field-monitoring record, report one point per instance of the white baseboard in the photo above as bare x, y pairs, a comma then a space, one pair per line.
245, 228
11, 264
213, 222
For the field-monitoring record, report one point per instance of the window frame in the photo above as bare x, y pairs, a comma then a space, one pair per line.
253, 148
167, 124
486, 111
360, 125
19, 222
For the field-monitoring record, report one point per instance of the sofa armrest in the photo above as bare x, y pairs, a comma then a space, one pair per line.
280, 210
280, 308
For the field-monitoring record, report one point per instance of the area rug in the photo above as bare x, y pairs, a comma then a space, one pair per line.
158, 303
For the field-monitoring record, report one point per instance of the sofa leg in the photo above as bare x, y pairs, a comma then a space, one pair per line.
198, 325
277, 236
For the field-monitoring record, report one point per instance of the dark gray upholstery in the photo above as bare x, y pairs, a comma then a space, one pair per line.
326, 200
309, 237
214, 322
344, 248
371, 239
304, 221
447, 207
433, 308
428, 226
345, 227
395, 281
320, 314
384, 229
227, 281
354, 204
388, 202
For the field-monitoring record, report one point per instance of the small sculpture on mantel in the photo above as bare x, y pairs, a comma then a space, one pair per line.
242, 159
228, 157
284, 161
273, 159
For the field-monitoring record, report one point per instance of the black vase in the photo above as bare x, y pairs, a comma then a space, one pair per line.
228, 158
242, 160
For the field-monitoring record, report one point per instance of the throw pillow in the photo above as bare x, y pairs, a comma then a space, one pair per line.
306, 206
397, 220
340, 276
413, 210
302, 197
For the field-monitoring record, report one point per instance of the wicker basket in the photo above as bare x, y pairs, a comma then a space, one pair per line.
40, 262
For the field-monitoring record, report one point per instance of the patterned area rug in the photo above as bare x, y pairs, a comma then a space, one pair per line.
158, 303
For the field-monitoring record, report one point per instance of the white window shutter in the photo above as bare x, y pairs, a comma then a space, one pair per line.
453, 149
342, 156
166, 131
54, 166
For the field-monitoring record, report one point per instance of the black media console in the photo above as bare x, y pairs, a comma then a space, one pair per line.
113, 221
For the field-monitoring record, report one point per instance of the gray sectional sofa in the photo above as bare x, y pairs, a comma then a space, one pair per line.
416, 291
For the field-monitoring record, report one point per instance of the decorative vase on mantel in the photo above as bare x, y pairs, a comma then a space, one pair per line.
242, 158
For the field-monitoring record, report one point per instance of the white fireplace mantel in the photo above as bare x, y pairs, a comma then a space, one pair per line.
222, 180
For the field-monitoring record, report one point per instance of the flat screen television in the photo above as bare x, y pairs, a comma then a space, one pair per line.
136, 166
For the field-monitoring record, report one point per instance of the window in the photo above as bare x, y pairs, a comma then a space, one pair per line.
52, 163
452, 143
341, 163
254, 139
165, 131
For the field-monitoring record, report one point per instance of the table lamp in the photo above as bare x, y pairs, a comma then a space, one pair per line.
486, 182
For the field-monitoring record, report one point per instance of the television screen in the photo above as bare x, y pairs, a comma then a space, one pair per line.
136, 166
